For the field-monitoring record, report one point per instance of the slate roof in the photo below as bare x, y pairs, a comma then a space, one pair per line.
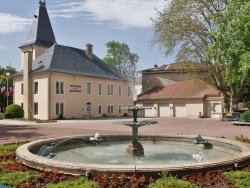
41, 32
189, 89
69, 60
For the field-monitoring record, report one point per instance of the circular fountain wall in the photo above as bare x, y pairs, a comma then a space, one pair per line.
78, 155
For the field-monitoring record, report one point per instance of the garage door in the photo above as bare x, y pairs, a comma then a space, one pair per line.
180, 110
150, 111
163, 110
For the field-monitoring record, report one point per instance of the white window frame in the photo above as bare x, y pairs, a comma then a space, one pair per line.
35, 87
119, 108
110, 89
120, 90
59, 87
100, 109
59, 108
36, 108
129, 91
22, 88
110, 109
100, 89
88, 88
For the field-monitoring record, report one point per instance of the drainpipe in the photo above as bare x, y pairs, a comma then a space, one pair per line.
49, 97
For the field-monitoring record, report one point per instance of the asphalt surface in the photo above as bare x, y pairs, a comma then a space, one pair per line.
15, 131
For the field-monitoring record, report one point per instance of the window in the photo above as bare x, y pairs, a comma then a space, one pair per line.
100, 89
35, 108
110, 109
21, 88
129, 90
22, 104
88, 88
59, 87
110, 89
120, 90
35, 87
100, 109
59, 108
119, 109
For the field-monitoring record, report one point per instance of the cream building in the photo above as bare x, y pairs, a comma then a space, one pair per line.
174, 91
58, 80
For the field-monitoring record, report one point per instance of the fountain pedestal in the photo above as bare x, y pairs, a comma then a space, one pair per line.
135, 149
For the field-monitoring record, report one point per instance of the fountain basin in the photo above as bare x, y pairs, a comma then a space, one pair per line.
27, 155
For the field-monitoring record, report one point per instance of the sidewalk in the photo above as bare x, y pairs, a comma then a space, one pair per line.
13, 130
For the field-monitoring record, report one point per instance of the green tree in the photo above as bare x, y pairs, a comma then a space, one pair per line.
231, 48
3, 82
188, 28
120, 58
184, 27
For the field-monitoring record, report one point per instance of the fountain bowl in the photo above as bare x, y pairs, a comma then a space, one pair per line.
27, 155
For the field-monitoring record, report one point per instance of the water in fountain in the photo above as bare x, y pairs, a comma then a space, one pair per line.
160, 153
47, 150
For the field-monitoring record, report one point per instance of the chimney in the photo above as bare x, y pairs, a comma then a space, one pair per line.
89, 50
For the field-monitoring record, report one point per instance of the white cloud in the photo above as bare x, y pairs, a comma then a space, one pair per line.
119, 13
2, 47
12, 23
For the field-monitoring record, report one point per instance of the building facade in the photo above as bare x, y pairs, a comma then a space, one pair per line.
173, 91
62, 81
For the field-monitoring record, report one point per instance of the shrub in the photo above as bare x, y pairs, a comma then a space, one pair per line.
78, 183
15, 178
240, 178
167, 181
14, 111
245, 117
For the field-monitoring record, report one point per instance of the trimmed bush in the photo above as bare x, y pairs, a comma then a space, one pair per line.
245, 117
167, 181
14, 111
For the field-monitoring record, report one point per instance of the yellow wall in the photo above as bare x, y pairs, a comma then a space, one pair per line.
74, 102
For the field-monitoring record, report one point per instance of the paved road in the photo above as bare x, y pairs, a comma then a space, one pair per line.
13, 131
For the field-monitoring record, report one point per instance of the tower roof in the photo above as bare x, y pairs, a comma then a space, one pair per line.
41, 32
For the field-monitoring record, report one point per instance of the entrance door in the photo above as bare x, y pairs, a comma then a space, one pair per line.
88, 110
209, 110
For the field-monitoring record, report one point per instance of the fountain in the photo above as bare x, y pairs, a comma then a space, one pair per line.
135, 148
177, 154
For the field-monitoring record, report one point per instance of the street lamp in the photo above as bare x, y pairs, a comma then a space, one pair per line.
6, 89
7, 74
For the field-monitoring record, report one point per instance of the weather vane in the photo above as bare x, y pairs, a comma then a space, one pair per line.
42, 3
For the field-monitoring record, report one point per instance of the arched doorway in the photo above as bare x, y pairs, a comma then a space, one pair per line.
88, 114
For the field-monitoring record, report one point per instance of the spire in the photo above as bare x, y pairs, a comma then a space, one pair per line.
41, 31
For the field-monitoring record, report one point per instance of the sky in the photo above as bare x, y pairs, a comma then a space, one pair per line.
78, 22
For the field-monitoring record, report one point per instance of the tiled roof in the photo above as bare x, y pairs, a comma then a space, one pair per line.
69, 60
176, 67
41, 31
180, 90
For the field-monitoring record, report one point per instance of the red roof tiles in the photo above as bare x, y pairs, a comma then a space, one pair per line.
186, 89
